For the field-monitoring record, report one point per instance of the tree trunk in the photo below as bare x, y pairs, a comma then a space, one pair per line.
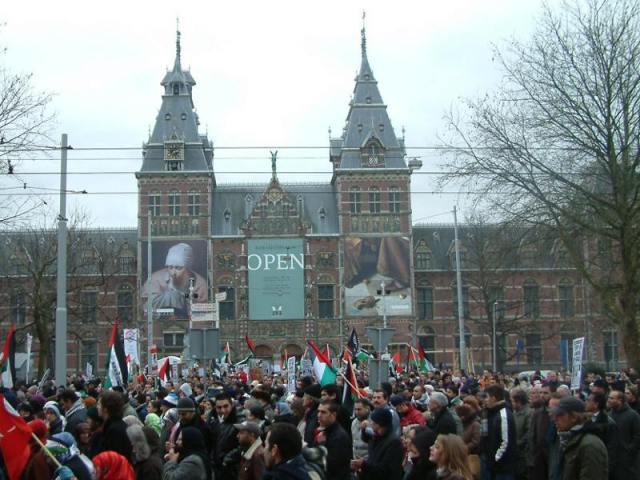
631, 340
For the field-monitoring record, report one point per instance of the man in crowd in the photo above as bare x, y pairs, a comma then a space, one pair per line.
501, 452
409, 415
538, 447
584, 455
605, 428
441, 421
381, 400
332, 392
420, 398
310, 400
283, 454
628, 422
223, 437
74, 411
521, 418
384, 461
361, 410
252, 460
335, 440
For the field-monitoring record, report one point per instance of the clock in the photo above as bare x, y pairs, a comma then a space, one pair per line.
173, 151
374, 160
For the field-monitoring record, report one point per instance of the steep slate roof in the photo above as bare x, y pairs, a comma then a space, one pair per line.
233, 198
367, 118
177, 120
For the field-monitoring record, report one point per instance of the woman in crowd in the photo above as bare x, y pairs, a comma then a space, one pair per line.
145, 465
83, 437
449, 453
53, 418
188, 460
112, 466
419, 467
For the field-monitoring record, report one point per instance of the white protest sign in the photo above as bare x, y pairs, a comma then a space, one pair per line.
291, 374
576, 365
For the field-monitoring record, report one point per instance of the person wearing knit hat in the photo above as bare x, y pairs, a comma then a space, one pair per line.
385, 449
441, 421
185, 391
53, 418
310, 401
170, 286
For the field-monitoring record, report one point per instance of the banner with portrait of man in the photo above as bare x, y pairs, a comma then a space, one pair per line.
176, 264
370, 263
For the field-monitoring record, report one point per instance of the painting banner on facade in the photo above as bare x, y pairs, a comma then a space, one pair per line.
276, 279
175, 265
368, 264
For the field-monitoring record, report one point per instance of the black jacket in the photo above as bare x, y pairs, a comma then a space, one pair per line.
628, 422
607, 430
114, 437
501, 448
312, 423
338, 446
443, 423
294, 469
385, 458
223, 440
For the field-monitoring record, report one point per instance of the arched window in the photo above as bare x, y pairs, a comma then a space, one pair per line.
423, 256
354, 200
424, 301
610, 343
18, 306
427, 339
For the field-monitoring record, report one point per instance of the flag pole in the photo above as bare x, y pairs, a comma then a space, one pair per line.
46, 450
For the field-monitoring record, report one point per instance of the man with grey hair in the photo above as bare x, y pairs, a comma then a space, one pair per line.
441, 421
170, 286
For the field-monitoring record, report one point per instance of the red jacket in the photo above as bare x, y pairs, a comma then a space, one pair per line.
412, 417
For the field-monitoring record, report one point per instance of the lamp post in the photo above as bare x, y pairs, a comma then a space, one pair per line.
495, 358
384, 306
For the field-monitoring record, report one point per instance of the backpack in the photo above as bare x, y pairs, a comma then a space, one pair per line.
316, 462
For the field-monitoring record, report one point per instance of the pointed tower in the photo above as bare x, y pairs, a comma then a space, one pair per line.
369, 168
176, 178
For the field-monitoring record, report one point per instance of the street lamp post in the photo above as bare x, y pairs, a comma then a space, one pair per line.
384, 306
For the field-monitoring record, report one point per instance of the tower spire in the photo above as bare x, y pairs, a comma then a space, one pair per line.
363, 34
177, 64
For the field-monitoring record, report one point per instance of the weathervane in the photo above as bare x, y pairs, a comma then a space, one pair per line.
274, 158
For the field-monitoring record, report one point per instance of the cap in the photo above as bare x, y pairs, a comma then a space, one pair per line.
314, 390
568, 405
601, 384
170, 400
398, 400
382, 417
251, 427
186, 405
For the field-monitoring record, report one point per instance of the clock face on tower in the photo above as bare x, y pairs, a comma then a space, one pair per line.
174, 151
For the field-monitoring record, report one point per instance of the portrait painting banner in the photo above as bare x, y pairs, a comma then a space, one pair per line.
276, 278
370, 263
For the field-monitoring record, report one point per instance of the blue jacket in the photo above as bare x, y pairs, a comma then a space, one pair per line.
294, 469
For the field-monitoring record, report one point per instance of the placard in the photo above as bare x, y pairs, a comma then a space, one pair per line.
576, 369
291, 374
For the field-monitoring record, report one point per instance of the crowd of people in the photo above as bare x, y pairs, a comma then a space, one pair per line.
427, 426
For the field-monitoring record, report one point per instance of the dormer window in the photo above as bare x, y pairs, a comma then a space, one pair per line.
176, 89
372, 154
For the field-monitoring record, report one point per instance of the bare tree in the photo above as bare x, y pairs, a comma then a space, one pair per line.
558, 144
25, 120
30, 267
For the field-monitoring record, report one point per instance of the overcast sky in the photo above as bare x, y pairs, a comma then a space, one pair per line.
268, 74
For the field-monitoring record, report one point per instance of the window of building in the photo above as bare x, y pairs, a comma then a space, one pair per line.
89, 354
533, 348
124, 298
248, 206
173, 339
193, 203
610, 337
465, 301
427, 339
154, 204
174, 204
228, 306
127, 264
326, 301
354, 200
394, 200
424, 302
423, 256
531, 296
18, 306
565, 299
566, 349
374, 200
89, 301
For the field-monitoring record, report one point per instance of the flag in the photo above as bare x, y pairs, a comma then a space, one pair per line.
395, 363
244, 361
163, 373
353, 344
327, 353
424, 365
14, 440
251, 344
412, 360
8, 361
283, 360
363, 355
116, 366
225, 357
322, 366
350, 392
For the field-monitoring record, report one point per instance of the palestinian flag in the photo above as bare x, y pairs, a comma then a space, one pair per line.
283, 360
412, 360
225, 357
395, 363
424, 365
350, 392
250, 344
244, 361
14, 440
165, 370
8, 360
322, 368
363, 355
116, 367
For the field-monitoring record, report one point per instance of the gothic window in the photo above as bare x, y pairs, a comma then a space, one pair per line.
374, 200
226, 225
124, 299
423, 256
565, 299
372, 154
425, 302
531, 296
326, 301
394, 200
18, 306
227, 307
322, 220
193, 203
174, 203
126, 263
452, 255
176, 89
154, 204
89, 302
354, 200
